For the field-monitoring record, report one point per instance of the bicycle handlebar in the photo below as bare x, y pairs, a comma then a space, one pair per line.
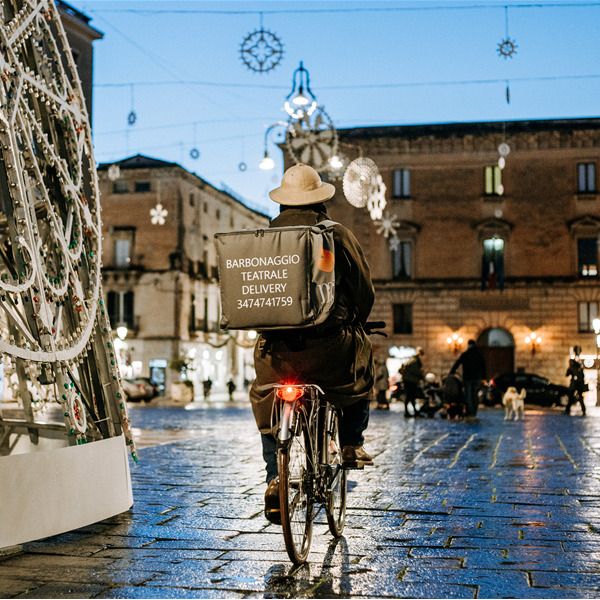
371, 327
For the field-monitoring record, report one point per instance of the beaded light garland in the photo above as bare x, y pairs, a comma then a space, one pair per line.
52, 315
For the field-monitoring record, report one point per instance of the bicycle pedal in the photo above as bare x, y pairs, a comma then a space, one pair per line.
355, 466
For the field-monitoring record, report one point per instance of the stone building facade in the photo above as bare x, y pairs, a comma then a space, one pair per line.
505, 256
160, 272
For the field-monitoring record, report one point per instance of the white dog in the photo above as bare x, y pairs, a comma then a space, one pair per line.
514, 403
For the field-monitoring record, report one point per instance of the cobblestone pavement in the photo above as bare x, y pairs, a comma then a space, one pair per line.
485, 509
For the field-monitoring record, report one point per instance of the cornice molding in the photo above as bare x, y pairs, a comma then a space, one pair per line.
478, 142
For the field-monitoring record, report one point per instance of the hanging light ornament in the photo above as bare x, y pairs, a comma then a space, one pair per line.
300, 100
357, 181
114, 172
131, 117
312, 139
337, 166
261, 50
507, 47
158, 214
377, 201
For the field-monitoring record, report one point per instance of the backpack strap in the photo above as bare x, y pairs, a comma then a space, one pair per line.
325, 224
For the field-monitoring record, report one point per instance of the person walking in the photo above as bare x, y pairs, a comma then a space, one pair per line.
473, 372
382, 384
412, 376
230, 389
577, 385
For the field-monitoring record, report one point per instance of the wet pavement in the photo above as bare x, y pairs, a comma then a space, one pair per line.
484, 509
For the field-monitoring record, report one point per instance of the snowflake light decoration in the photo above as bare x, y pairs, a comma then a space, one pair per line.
261, 51
158, 214
394, 242
377, 201
388, 225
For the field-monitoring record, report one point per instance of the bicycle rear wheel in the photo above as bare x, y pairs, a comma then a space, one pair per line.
296, 493
338, 484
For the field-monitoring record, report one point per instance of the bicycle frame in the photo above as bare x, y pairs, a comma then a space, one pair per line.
309, 422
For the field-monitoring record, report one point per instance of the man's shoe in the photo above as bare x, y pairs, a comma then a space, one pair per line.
355, 457
272, 507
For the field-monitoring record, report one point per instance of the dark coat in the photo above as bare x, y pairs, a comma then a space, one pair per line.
335, 355
473, 364
413, 371
575, 371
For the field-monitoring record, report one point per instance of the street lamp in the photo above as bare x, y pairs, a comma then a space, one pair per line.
596, 326
267, 163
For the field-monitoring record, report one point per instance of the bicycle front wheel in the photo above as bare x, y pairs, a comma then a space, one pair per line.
296, 493
338, 483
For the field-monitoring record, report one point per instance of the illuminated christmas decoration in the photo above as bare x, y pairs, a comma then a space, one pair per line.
388, 225
507, 47
312, 139
261, 50
300, 101
377, 201
158, 214
357, 181
56, 338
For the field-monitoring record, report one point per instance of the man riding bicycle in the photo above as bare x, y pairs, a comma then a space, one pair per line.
337, 354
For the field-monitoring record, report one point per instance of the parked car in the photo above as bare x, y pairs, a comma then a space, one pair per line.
539, 389
139, 389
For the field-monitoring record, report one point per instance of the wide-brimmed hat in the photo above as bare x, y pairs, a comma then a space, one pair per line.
302, 185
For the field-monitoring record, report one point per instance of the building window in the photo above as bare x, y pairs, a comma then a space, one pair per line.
587, 257
120, 309
401, 254
588, 311
401, 183
123, 238
142, 186
586, 178
193, 313
192, 200
492, 181
492, 264
121, 187
403, 322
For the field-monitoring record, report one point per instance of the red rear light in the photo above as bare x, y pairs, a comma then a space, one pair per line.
492, 382
393, 388
289, 393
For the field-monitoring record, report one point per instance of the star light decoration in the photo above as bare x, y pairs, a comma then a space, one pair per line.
158, 214
261, 50
55, 334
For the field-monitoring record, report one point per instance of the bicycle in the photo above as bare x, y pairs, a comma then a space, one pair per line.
309, 460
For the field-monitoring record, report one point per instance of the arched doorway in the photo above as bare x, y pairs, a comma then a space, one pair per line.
498, 348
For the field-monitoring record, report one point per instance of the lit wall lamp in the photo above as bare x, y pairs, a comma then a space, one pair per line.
300, 100
535, 340
454, 341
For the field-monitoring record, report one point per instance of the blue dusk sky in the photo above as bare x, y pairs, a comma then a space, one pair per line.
177, 67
